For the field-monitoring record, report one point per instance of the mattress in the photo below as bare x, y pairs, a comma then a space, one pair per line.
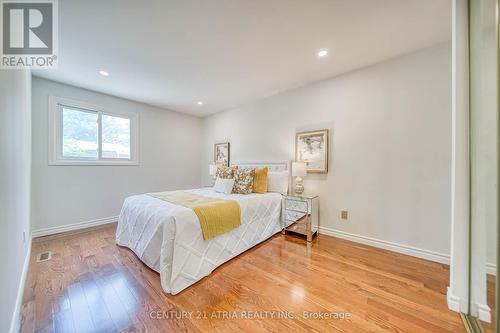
168, 237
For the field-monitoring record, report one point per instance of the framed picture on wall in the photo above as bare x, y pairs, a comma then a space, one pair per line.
221, 153
312, 148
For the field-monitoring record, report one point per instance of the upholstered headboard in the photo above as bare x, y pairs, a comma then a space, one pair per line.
272, 166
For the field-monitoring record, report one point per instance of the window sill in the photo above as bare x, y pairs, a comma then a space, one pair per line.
93, 163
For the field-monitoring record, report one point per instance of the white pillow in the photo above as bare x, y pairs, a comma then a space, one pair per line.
224, 185
277, 182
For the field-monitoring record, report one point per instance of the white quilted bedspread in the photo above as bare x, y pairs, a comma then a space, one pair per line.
168, 237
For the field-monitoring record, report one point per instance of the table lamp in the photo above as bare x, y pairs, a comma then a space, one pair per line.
212, 171
299, 170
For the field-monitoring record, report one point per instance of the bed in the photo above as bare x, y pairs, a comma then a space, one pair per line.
168, 238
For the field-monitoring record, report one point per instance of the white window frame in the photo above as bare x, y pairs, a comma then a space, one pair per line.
56, 105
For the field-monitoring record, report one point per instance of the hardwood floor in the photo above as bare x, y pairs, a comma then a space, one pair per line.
92, 285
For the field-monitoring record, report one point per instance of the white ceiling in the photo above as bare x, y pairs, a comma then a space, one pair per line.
229, 52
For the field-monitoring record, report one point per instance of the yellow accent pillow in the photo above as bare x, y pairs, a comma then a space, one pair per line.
260, 180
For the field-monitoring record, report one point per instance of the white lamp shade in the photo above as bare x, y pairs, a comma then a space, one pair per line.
212, 169
299, 169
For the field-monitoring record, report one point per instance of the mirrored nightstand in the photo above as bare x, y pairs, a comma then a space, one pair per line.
300, 215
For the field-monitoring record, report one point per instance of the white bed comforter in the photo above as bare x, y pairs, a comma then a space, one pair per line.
168, 238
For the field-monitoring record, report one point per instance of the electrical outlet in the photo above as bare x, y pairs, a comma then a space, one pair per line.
344, 215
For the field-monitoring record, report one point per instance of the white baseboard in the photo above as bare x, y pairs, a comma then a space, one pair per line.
455, 303
72, 227
382, 244
491, 269
16, 320
483, 312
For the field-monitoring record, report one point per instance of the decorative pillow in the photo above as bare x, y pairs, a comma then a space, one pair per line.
260, 180
225, 172
243, 181
277, 182
224, 185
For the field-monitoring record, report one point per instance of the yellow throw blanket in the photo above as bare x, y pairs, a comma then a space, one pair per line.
216, 216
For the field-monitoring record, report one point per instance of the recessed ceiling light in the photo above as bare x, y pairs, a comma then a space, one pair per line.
103, 73
200, 103
322, 53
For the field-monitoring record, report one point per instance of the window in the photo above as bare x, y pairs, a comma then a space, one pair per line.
80, 131
82, 134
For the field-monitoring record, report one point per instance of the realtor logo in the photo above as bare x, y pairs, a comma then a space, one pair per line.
29, 34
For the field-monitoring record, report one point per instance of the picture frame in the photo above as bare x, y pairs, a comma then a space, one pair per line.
222, 153
312, 148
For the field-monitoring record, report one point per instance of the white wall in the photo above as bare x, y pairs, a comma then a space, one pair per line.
390, 146
169, 159
15, 184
